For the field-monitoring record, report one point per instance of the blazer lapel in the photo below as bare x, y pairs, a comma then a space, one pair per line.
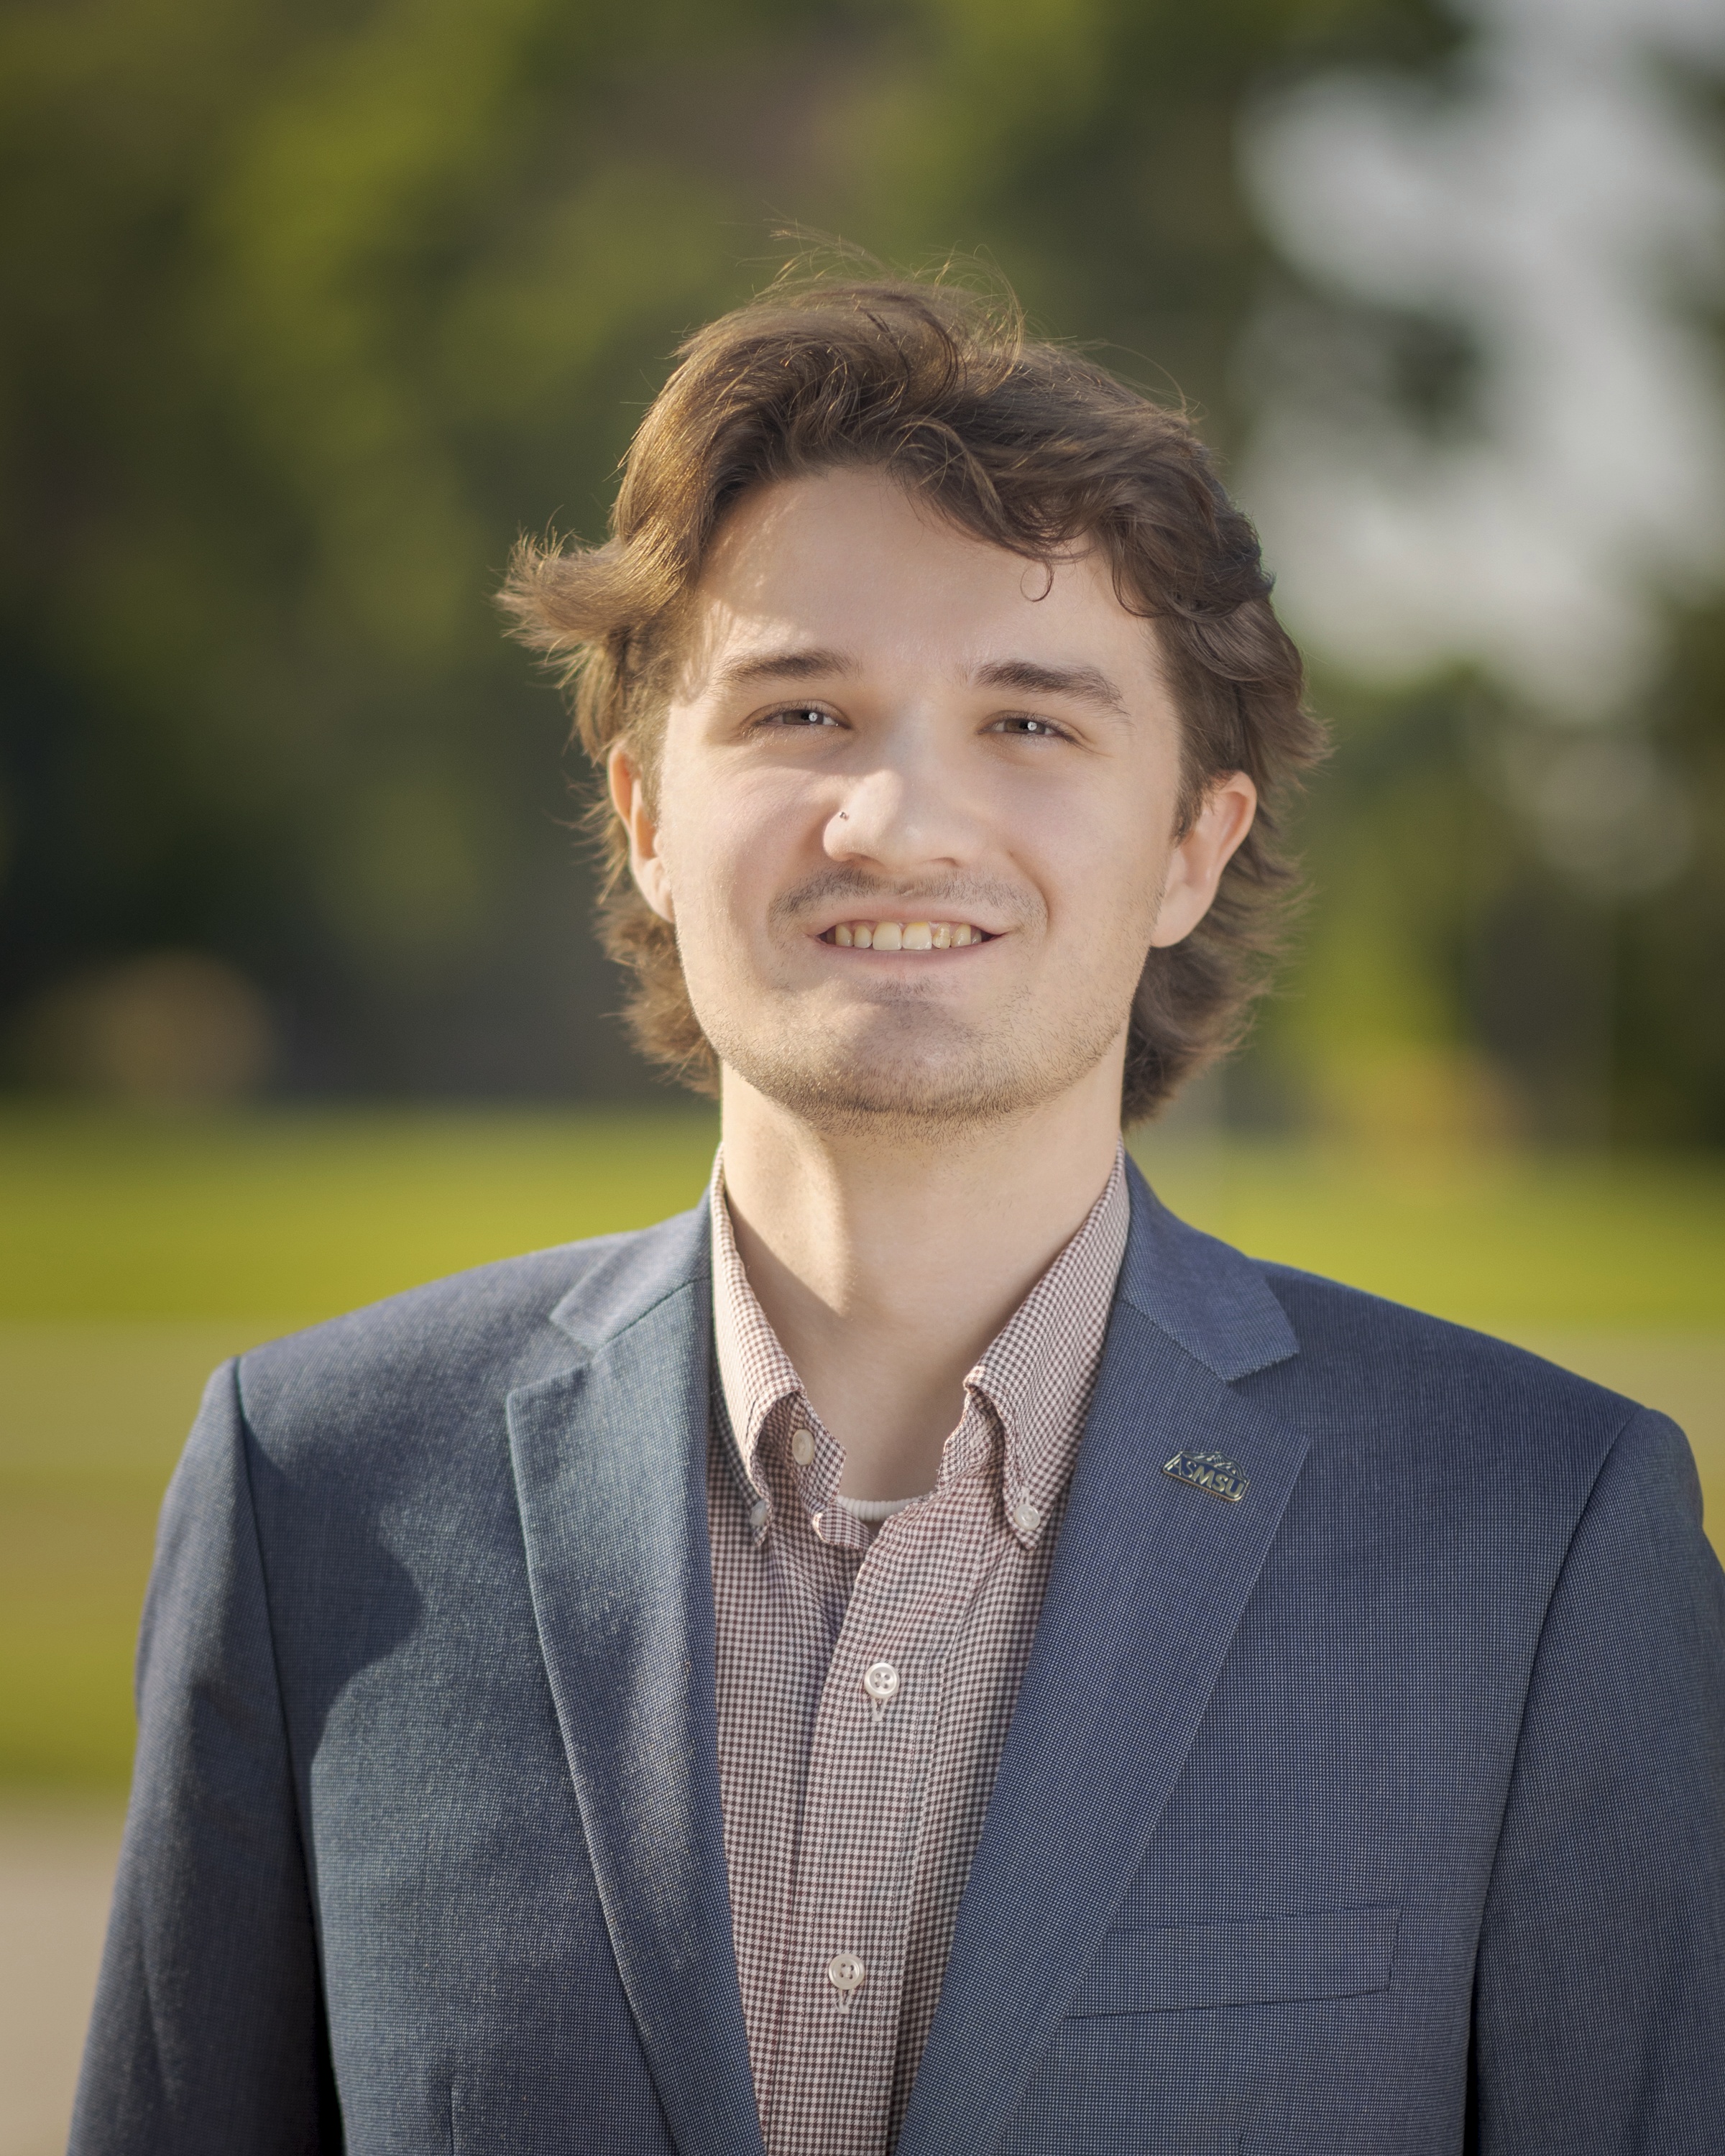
609, 1462
1149, 1582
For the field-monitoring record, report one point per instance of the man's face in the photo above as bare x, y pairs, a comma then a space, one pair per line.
914, 816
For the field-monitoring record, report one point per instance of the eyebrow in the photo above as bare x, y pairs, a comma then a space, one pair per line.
1087, 684
810, 664
1028, 677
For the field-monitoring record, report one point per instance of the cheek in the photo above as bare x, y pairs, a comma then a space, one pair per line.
724, 847
1112, 861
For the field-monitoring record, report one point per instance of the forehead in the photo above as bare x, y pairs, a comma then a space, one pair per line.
850, 562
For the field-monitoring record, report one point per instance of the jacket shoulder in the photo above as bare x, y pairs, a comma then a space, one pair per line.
1380, 1364
434, 1353
1459, 1454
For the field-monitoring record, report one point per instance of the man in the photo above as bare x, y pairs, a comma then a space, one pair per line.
926, 1651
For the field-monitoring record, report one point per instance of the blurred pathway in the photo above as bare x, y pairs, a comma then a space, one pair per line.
56, 1869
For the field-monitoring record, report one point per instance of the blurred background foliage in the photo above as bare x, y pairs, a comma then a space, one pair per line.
308, 310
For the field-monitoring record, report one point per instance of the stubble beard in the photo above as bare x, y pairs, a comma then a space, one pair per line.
913, 1074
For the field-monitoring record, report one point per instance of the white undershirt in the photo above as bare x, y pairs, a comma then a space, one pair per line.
873, 1510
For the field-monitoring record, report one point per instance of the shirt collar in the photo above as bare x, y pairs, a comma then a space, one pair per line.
755, 1373
1040, 1370
1033, 1382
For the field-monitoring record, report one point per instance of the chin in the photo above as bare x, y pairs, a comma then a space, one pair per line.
857, 1083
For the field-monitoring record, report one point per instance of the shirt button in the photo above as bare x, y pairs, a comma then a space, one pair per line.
880, 1681
1025, 1517
845, 1973
802, 1444
758, 1512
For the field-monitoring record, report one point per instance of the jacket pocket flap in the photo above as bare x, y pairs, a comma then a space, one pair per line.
1328, 1954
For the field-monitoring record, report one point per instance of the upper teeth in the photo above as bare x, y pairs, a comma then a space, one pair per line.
906, 935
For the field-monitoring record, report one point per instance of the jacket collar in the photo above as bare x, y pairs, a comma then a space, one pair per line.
1204, 1295
631, 1275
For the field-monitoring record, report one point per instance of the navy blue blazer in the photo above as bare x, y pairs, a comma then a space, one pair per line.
1380, 1811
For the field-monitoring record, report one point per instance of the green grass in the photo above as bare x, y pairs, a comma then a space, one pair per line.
1498, 1240
296, 1216
134, 1253
290, 1217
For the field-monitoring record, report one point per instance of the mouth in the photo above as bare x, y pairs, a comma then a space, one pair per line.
905, 935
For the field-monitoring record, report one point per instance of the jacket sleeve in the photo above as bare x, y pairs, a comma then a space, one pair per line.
208, 2036
1599, 1996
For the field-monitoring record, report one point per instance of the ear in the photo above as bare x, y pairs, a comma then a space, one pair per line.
629, 797
1196, 864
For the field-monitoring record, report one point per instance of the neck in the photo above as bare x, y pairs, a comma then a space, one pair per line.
885, 1266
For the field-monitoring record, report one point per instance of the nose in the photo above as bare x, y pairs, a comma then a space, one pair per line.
904, 815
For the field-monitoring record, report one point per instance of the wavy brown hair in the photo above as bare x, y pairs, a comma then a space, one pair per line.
1023, 443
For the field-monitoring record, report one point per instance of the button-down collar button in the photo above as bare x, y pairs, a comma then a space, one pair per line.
880, 1681
759, 1512
1025, 1517
802, 1444
845, 1973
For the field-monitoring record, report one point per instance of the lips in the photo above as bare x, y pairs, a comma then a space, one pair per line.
905, 935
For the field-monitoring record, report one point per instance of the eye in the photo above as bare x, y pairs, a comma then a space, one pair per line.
1025, 727
798, 717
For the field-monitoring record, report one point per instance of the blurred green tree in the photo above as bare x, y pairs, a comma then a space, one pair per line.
307, 310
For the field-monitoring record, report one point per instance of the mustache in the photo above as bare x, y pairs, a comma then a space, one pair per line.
957, 897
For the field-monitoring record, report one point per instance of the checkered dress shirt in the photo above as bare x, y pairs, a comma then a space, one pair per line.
866, 1675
